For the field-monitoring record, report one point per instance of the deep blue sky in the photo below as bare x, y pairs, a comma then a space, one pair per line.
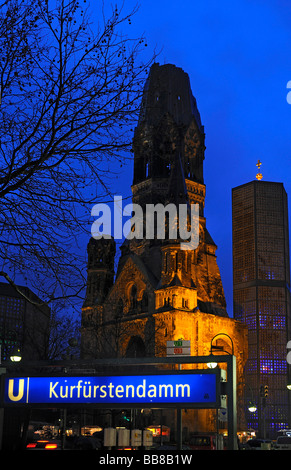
238, 57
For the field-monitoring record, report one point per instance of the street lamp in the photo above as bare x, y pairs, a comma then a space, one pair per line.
16, 355
212, 364
252, 407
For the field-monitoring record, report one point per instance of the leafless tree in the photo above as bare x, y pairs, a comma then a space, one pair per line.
63, 341
70, 91
56, 338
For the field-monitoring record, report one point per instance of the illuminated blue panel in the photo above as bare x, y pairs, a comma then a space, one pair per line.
149, 389
273, 366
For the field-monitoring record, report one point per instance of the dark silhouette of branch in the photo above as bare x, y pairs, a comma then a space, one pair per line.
70, 92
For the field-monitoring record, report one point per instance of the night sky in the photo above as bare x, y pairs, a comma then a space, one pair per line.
238, 57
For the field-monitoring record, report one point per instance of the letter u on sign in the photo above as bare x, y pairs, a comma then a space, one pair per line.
15, 395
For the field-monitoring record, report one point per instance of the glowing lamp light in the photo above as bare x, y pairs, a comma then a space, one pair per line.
289, 386
211, 364
16, 355
252, 408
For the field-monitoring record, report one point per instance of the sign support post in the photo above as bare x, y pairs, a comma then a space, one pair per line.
179, 421
231, 403
2, 372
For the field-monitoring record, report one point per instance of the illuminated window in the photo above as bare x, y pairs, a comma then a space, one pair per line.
270, 366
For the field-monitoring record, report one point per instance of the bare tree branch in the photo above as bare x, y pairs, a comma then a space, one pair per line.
70, 92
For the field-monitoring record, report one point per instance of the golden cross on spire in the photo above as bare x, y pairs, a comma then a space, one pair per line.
259, 175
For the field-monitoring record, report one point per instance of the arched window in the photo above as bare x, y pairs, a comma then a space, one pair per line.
167, 255
177, 261
136, 347
167, 302
145, 301
133, 297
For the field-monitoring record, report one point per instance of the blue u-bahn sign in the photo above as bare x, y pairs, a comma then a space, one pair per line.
195, 389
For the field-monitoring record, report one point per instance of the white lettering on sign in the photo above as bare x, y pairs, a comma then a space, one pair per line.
170, 388
84, 389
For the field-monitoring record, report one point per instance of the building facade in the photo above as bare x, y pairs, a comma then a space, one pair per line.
23, 324
261, 293
160, 291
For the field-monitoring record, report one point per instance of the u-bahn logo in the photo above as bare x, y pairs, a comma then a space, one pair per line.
17, 390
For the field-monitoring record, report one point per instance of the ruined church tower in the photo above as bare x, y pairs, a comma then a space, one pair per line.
161, 292
169, 146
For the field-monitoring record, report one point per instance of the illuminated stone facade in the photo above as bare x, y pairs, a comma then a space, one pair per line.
161, 292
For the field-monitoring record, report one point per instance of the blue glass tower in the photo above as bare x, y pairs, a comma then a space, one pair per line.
261, 295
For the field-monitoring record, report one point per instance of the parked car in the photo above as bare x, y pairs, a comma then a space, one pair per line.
258, 444
87, 443
206, 442
283, 443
